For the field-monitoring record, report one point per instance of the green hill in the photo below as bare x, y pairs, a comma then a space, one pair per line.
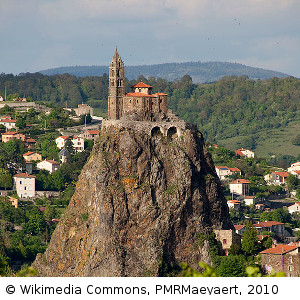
199, 71
263, 115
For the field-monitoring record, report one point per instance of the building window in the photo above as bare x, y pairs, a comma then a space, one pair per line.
224, 241
25, 188
20, 182
290, 268
290, 260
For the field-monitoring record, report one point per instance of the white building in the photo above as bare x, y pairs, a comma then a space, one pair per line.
245, 153
61, 141
25, 185
294, 208
78, 142
224, 171
249, 200
239, 186
294, 169
49, 165
8, 122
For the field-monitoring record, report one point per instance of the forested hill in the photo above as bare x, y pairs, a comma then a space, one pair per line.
199, 71
231, 107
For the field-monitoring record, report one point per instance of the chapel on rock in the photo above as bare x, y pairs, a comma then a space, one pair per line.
140, 104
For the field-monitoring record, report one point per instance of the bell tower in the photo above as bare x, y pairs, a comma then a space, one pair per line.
116, 90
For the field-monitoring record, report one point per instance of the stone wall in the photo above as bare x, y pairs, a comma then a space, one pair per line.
150, 128
287, 262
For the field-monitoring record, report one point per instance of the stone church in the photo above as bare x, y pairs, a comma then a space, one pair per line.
140, 104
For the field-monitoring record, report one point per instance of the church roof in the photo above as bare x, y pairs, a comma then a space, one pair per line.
139, 95
141, 85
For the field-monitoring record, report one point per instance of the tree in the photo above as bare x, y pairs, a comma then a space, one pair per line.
292, 182
250, 244
35, 225
21, 123
71, 151
58, 180
232, 266
6, 180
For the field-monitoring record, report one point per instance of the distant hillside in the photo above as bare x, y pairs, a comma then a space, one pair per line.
199, 71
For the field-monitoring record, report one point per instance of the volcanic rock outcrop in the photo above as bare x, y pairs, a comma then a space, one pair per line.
140, 203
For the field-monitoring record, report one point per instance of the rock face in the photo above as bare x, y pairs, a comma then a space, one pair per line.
138, 208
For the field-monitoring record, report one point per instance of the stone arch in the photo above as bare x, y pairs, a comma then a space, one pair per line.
156, 131
172, 132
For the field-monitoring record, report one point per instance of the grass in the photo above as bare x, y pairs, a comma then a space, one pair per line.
276, 141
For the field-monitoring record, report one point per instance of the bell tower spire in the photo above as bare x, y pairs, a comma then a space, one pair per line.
116, 90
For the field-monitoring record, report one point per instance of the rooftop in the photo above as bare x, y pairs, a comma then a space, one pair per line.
280, 249
141, 85
24, 175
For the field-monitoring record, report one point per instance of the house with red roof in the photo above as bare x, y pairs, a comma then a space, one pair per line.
235, 204
49, 165
250, 200
90, 134
240, 229
224, 171
10, 135
244, 153
239, 187
282, 257
24, 184
78, 142
31, 155
294, 169
276, 178
8, 122
271, 226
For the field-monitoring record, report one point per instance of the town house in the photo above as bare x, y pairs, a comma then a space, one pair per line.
284, 258
24, 184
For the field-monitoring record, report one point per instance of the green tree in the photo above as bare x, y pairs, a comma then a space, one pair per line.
21, 123
250, 244
6, 180
292, 182
58, 180
36, 224
232, 266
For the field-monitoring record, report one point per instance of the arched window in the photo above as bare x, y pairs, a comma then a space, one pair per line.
156, 131
172, 132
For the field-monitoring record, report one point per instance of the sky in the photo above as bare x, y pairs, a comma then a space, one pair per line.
42, 34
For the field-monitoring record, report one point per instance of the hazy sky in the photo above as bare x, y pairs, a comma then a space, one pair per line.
41, 34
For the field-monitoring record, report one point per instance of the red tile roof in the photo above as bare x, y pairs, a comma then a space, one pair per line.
29, 153
139, 95
279, 249
160, 94
10, 133
239, 153
234, 169
8, 120
24, 175
93, 131
64, 137
282, 174
239, 227
268, 224
53, 162
239, 181
141, 85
